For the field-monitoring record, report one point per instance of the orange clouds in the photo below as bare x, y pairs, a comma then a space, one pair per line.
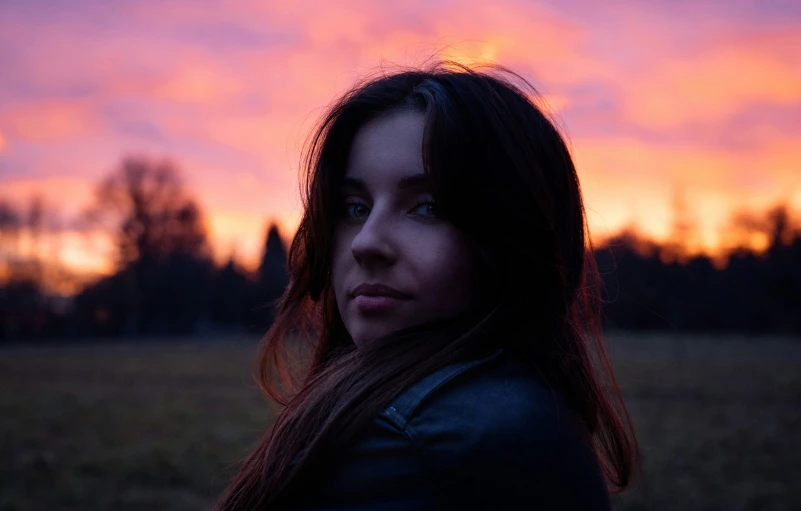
86, 253
716, 81
197, 84
650, 99
56, 191
629, 182
48, 120
250, 133
243, 236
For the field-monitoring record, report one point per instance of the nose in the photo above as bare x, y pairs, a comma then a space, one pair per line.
372, 245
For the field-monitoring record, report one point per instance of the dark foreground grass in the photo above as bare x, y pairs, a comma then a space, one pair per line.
718, 420
124, 427
162, 425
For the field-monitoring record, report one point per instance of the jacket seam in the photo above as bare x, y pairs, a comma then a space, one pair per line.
395, 417
401, 419
416, 446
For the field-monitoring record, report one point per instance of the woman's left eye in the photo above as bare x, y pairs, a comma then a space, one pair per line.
425, 209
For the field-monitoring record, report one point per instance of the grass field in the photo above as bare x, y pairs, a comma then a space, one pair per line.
160, 426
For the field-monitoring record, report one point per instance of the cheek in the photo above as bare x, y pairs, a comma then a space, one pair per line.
341, 258
447, 271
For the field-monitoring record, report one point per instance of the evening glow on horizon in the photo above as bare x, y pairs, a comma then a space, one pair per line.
658, 100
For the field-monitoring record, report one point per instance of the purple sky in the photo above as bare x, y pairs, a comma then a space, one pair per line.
658, 98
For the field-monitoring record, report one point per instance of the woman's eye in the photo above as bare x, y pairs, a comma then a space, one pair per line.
426, 209
356, 210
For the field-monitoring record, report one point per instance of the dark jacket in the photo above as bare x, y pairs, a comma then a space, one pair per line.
484, 434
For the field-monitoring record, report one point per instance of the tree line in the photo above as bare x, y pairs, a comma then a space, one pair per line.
165, 281
646, 287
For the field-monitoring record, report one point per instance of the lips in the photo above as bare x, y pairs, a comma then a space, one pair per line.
377, 290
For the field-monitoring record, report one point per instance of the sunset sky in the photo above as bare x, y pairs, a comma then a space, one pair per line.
659, 99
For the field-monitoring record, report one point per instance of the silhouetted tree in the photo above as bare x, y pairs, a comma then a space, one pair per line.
272, 280
164, 260
754, 292
23, 308
232, 289
10, 226
35, 224
166, 282
683, 235
151, 212
23, 312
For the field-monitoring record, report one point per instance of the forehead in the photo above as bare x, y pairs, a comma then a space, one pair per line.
388, 148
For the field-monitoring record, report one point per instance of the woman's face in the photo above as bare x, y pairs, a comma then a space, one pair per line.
396, 263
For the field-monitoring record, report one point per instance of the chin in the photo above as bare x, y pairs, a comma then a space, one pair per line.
363, 335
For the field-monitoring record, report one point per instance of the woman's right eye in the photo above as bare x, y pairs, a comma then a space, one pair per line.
356, 210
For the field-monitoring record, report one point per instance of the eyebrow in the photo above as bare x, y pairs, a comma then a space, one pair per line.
406, 183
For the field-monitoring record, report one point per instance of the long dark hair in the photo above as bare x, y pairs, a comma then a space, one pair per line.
503, 175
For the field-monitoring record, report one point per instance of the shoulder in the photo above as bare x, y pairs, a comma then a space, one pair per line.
494, 394
494, 427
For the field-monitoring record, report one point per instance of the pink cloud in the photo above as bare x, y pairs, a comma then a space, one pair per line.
48, 120
714, 82
53, 190
231, 90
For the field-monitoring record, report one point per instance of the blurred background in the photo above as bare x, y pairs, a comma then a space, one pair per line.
149, 189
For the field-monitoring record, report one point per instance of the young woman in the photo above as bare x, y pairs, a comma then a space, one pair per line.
442, 277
